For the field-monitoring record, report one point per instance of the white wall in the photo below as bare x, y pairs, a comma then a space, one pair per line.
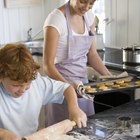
14, 22
124, 28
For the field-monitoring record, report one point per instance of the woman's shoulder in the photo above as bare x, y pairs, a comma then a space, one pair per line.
55, 17
57, 20
57, 13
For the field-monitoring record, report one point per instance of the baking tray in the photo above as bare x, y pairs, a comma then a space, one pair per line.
132, 86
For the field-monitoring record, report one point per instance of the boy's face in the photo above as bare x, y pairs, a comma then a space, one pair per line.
15, 88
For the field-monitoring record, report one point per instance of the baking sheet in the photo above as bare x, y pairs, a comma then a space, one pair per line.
132, 85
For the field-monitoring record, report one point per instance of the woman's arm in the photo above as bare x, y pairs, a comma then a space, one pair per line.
96, 62
94, 59
51, 37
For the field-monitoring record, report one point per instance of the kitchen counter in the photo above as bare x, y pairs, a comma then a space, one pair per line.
119, 123
112, 58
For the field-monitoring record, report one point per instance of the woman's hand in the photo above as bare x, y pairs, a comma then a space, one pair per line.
78, 116
76, 85
6, 135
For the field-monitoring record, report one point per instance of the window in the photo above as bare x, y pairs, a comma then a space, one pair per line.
98, 10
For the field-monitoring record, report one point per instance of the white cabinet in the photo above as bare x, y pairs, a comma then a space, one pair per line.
124, 28
20, 3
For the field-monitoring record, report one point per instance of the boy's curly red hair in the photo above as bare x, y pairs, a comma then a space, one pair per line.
17, 63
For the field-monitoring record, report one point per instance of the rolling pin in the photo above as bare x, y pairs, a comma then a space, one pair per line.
52, 131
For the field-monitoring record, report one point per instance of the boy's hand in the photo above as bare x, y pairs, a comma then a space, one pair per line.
78, 116
6, 135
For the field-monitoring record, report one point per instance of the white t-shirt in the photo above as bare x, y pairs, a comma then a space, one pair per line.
20, 115
57, 20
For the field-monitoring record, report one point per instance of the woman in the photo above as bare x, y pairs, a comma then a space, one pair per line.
68, 47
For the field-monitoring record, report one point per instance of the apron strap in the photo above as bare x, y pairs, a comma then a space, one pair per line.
67, 18
88, 25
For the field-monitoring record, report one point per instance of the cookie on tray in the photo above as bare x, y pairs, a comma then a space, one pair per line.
87, 87
125, 85
127, 80
103, 88
115, 86
100, 85
119, 82
109, 84
91, 90
137, 83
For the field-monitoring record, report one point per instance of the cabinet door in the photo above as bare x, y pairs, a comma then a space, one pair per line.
122, 26
20, 3
116, 23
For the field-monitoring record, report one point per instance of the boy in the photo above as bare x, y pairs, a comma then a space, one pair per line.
23, 91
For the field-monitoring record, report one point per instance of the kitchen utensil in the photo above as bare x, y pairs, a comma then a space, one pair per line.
52, 131
131, 55
124, 123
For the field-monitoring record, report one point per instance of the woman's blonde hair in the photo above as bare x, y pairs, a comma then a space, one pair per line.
17, 63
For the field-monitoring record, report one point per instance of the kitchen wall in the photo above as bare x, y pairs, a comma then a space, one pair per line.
122, 23
14, 22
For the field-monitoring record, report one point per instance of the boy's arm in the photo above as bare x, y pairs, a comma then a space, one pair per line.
6, 135
75, 113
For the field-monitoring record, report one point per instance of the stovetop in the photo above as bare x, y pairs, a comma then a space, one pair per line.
119, 123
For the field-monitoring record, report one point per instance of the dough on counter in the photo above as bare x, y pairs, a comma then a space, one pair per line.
68, 137
65, 137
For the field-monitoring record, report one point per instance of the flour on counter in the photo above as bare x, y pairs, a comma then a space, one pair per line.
73, 136
65, 137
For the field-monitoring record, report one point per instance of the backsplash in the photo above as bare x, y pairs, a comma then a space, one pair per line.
113, 55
